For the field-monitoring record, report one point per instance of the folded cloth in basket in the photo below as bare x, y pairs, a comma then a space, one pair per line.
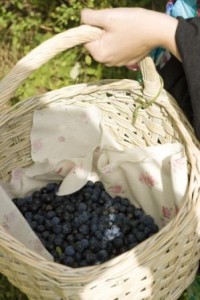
71, 145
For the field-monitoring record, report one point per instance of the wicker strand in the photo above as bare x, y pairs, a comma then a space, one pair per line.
147, 103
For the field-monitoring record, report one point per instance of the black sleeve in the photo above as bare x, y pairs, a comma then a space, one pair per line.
188, 43
175, 83
182, 80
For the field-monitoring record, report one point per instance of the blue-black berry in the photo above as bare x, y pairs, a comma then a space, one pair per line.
68, 261
67, 228
84, 229
91, 258
87, 227
57, 229
69, 251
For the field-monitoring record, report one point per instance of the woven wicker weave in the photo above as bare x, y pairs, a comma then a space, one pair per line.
161, 267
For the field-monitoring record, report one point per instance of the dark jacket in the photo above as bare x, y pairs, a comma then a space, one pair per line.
182, 80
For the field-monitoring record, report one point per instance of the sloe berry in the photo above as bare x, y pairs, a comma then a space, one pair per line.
69, 251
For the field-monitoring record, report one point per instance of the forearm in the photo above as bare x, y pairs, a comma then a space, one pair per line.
166, 31
161, 31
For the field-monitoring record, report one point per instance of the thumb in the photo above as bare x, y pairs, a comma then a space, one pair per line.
94, 17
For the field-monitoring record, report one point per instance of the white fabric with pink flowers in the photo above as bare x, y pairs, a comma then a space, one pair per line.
72, 145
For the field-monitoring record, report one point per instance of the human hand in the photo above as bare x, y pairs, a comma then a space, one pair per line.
129, 34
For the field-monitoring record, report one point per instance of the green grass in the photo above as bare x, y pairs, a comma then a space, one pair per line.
8, 291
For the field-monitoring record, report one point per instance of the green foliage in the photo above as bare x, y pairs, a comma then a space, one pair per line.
27, 23
194, 289
8, 291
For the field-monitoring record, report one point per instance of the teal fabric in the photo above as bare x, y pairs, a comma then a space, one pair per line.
179, 8
184, 8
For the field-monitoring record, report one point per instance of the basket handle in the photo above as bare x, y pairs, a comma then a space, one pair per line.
51, 47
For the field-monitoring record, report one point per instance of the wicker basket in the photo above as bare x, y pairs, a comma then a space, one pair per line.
160, 267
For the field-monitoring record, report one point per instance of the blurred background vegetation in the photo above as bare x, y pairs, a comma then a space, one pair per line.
24, 24
27, 23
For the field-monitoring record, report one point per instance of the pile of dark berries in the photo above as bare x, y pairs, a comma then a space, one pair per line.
87, 227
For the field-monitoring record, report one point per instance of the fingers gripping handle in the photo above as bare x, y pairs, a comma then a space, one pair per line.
43, 53
50, 48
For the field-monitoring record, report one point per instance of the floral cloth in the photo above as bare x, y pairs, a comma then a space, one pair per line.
154, 178
73, 146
